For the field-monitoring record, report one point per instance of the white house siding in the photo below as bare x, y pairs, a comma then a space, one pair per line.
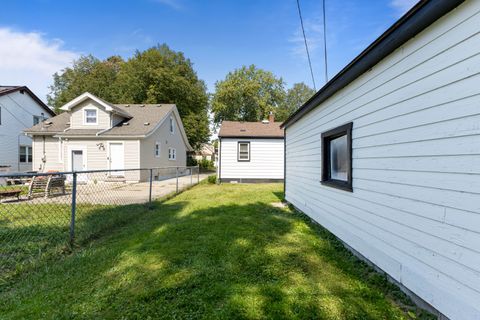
47, 148
415, 206
166, 140
266, 159
78, 114
96, 156
17, 111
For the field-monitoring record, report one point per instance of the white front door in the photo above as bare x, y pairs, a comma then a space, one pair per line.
117, 157
77, 160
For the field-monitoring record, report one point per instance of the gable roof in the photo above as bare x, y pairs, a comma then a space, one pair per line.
142, 121
4, 90
238, 129
422, 15
88, 96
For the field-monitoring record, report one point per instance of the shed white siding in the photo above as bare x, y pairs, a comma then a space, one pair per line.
415, 206
266, 159
17, 112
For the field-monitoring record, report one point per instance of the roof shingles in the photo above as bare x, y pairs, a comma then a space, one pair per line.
238, 129
144, 119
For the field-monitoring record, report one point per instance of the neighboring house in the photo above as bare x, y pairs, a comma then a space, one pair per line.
92, 134
206, 152
387, 155
19, 109
251, 151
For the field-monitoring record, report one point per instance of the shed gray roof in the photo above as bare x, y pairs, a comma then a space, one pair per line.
143, 118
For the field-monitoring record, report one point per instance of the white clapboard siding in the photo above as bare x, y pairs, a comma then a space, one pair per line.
266, 159
415, 206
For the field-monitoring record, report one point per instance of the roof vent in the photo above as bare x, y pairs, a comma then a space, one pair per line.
265, 121
48, 123
243, 130
127, 105
142, 105
126, 123
146, 123
159, 105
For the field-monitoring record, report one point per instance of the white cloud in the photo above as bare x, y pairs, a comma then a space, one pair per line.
402, 6
31, 59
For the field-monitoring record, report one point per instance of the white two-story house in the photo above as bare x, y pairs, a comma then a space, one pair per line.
92, 134
20, 108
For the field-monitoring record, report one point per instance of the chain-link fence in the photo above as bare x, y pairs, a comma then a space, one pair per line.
44, 214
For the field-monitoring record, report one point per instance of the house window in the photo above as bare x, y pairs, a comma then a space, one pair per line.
25, 154
157, 149
90, 116
243, 151
172, 125
172, 154
337, 157
36, 120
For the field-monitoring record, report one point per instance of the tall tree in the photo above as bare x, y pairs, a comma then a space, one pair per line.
88, 74
156, 75
247, 94
295, 97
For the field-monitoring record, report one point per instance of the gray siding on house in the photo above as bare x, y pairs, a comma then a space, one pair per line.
166, 140
415, 206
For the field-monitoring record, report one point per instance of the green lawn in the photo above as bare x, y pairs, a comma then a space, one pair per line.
213, 252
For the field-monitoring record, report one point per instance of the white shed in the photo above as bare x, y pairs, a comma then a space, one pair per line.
251, 151
387, 155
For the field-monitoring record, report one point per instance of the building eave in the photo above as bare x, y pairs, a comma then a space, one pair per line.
421, 16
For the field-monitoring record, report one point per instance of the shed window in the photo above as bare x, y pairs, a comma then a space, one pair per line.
25, 154
90, 116
172, 154
157, 149
337, 157
243, 151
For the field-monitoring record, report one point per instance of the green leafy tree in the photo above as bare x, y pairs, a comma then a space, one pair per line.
156, 75
88, 74
295, 97
247, 94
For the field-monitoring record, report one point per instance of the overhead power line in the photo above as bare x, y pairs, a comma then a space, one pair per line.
306, 44
325, 42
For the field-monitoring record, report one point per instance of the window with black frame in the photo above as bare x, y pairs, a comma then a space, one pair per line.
337, 157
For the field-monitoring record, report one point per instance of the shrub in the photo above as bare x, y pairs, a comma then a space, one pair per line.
212, 179
206, 164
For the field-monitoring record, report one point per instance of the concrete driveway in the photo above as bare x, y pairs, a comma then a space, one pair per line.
118, 193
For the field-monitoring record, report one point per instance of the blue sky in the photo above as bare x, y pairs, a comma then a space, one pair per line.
39, 37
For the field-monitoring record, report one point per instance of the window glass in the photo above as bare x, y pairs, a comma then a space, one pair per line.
244, 151
29, 155
36, 120
90, 116
157, 149
339, 158
23, 154
172, 125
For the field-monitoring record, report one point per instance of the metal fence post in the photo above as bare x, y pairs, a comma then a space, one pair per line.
74, 208
150, 189
198, 174
176, 176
